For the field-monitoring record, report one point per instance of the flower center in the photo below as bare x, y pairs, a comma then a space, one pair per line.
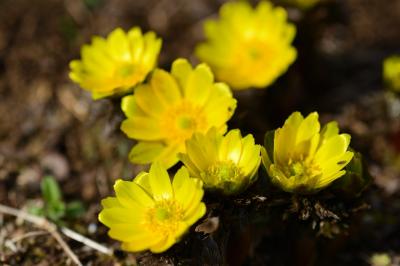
302, 169
164, 217
126, 70
182, 120
222, 175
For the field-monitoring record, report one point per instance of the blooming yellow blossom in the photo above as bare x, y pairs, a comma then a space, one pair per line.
226, 163
391, 72
115, 64
304, 159
165, 112
150, 212
248, 47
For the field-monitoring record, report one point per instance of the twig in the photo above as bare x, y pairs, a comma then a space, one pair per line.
42, 223
86, 241
29, 234
66, 231
66, 248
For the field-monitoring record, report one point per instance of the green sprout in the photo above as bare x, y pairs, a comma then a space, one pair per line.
55, 208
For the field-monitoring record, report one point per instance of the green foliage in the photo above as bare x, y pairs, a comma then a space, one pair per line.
68, 28
54, 206
356, 179
92, 4
269, 143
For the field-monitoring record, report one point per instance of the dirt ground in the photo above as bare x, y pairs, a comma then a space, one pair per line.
49, 126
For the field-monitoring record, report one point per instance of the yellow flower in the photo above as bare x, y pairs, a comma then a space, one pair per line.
391, 72
165, 112
302, 159
248, 47
150, 212
226, 163
116, 64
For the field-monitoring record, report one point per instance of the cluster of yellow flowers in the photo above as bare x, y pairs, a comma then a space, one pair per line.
182, 115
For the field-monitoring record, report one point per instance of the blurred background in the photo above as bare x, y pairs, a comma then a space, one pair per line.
49, 126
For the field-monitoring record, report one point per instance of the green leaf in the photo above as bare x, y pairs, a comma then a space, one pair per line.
92, 4
50, 190
39, 211
74, 209
269, 144
356, 179
55, 211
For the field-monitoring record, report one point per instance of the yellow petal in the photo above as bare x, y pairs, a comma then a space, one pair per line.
285, 138
110, 202
146, 152
181, 70
169, 156
152, 49
130, 194
333, 165
141, 242
130, 108
249, 149
332, 148
220, 106
118, 45
160, 182
308, 128
250, 158
147, 100
196, 210
142, 128
196, 153
231, 146
183, 188
190, 193
192, 168
112, 216
165, 87
142, 179
324, 182
136, 43
196, 214
199, 84
329, 130
180, 179
127, 232
163, 245
193, 198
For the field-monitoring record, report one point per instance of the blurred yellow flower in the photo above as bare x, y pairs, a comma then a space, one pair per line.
226, 163
391, 72
303, 159
248, 47
165, 112
116, 64
150, 212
